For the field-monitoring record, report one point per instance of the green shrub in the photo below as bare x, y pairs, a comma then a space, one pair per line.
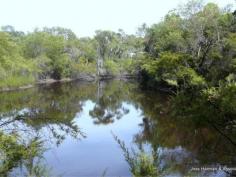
141, 164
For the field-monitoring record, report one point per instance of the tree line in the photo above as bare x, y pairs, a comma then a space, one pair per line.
57, 53
193, 47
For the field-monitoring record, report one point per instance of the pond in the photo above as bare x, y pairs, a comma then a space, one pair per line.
76, 125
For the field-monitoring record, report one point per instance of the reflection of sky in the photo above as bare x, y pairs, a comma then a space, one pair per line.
99, 151
176, 155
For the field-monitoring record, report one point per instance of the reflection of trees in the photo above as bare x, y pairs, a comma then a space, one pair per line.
185, 122
47, 114
174, 127
43, 114
107, 109
108, 105
52, 109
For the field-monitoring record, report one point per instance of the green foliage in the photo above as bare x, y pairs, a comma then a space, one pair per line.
56, 53
116, 52
128, 65
83, 67
49, 50
14, 69
193, 47
11, 153
14, 153
120, 66
223, 98
111, 67
52, 53
165, 36
174, 69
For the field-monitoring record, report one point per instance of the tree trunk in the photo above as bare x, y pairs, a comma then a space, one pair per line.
99, 63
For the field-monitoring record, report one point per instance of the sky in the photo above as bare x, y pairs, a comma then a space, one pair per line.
84, 17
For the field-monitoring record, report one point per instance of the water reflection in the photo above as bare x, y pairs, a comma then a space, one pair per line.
183, 133
178, 132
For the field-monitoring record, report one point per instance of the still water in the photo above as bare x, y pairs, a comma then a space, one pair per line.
76, 123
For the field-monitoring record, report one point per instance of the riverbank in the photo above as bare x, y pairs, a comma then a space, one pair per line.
83, 77
40, 82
